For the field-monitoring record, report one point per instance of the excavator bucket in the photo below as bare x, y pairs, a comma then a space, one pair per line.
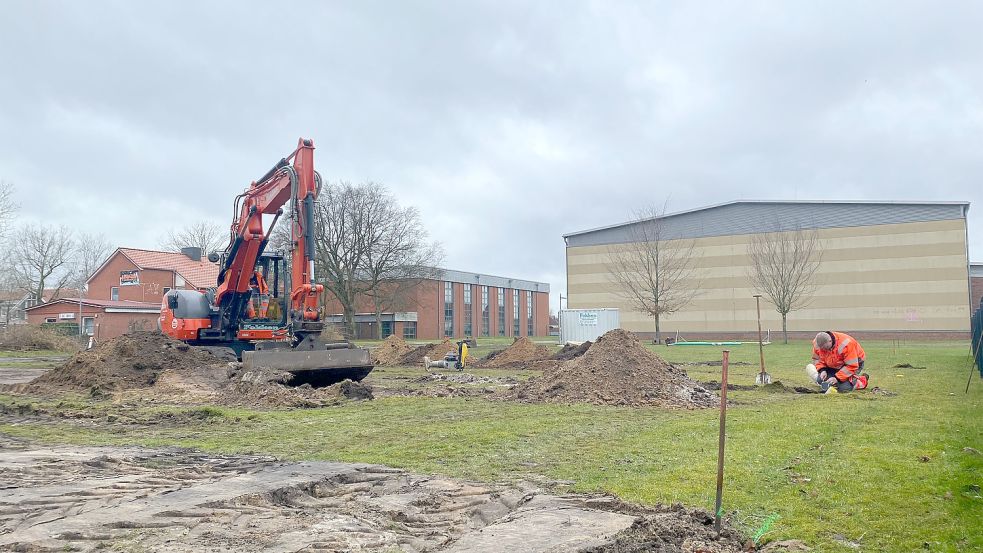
311, 362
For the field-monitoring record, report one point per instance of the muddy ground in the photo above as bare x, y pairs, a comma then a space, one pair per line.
60, 498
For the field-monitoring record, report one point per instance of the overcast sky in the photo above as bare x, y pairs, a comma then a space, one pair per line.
507, 124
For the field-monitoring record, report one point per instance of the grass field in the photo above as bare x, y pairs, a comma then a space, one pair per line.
882, 472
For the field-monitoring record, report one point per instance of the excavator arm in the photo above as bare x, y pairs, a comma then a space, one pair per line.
294, 183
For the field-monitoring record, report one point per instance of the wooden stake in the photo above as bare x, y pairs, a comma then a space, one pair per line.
720, 449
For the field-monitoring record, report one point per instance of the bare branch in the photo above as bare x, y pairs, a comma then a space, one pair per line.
367, 244
206, 235
653, 272
783, 268
7, 208
41, 257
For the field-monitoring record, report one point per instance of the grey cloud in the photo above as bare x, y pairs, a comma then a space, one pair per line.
507, 123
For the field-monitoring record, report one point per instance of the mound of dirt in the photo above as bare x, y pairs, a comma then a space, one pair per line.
571, 351
616, 370
520, 352
123, 363
152, 366
672, 529
433, 351
390, 351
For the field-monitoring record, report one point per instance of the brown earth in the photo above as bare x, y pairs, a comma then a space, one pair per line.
672, 529
390, 351
152, 366
520, 352
433, 351
616, 370
571, 351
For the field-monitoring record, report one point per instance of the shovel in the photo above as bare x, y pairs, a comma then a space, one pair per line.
763, 377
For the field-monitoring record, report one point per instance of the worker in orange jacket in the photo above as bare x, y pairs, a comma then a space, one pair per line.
837, 362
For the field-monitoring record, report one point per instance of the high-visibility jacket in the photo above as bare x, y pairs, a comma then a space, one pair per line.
845, 355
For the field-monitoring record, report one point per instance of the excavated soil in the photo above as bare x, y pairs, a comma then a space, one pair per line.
151, 366
521, 351
673, 529
390, 351
433, 351
571, 351
616, 370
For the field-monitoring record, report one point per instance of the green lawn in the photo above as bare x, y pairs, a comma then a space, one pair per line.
34, 353
887, 472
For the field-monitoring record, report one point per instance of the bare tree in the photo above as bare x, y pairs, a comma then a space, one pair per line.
7, 208
91, 250
653, 272
364, 240
206, 235
40, 258
783, 268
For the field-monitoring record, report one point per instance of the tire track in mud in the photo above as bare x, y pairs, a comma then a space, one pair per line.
88, 499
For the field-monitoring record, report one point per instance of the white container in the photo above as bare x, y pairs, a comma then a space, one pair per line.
580, 325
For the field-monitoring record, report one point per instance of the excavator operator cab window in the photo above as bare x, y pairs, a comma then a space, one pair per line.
172, 302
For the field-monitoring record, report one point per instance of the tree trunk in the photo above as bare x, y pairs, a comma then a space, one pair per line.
378, 321
349, 311
785, 327
658, 330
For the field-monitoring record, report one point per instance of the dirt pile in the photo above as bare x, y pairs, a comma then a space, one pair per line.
571, 351
672, 529
390, 351
126, 362
520, 352
616, 370
433, 351
154, 367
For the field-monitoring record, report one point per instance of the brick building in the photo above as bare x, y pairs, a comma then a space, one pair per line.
125, 292
460, 304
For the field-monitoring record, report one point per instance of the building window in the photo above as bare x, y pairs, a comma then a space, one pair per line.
485, 313
529, 319
468, 312
501, 311
448, 310
387, 328
515, 312
89, 326
409, 329
114, 293
51, 319
166, 290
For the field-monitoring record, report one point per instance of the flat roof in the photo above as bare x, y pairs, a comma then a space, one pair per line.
755, 216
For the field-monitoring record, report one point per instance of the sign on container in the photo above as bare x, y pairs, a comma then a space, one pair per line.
580, 325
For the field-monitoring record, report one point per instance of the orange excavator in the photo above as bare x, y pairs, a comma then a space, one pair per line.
253, 285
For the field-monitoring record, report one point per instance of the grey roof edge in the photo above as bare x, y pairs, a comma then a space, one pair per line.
736, 202
494, 281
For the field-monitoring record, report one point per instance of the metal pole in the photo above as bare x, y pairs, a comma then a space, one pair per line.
761, 347
720, 448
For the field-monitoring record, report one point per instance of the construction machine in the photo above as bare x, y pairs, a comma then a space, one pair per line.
268, 314
452, 360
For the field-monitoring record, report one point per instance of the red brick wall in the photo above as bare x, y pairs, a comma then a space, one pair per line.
541, 311
107, 325
150, 289
427, 300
